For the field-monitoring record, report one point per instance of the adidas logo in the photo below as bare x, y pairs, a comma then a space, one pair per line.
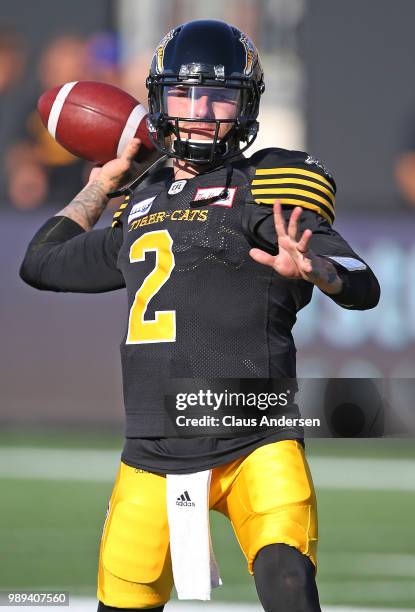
184, 500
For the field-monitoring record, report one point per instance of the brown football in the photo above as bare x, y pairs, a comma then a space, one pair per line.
94, 120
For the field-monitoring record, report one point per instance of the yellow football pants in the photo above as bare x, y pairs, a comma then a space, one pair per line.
268, 496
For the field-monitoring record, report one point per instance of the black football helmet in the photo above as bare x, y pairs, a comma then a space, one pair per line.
209, 73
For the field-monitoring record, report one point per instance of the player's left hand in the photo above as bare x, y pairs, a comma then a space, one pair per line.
295, 259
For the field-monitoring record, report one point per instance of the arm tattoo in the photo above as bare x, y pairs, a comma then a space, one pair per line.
87, 207
327, 278
332, 276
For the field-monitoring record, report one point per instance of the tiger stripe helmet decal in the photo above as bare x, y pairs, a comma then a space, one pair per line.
160, 50
251, 54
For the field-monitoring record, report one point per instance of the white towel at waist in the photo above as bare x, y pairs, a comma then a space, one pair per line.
195, 571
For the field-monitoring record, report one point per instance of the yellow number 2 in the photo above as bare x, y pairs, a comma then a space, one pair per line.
163, 327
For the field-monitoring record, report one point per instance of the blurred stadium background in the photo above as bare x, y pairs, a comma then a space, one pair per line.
340, 85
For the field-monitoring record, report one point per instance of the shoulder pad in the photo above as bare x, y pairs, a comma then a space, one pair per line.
116, 219
295, 178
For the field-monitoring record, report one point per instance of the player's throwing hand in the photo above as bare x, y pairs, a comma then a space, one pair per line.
115, 173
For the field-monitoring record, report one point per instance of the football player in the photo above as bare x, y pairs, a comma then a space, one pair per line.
203, 304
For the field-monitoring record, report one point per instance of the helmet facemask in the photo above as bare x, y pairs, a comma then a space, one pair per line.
199, 116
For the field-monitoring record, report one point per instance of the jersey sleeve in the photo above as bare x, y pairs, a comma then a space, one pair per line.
360, 289
295, 179
62, 256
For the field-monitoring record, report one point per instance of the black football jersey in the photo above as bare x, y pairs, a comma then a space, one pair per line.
198, 305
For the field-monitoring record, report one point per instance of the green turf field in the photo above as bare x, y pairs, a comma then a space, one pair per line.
50, 527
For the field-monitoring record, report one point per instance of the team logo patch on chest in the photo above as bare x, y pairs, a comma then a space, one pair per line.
204, 193
140, 209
